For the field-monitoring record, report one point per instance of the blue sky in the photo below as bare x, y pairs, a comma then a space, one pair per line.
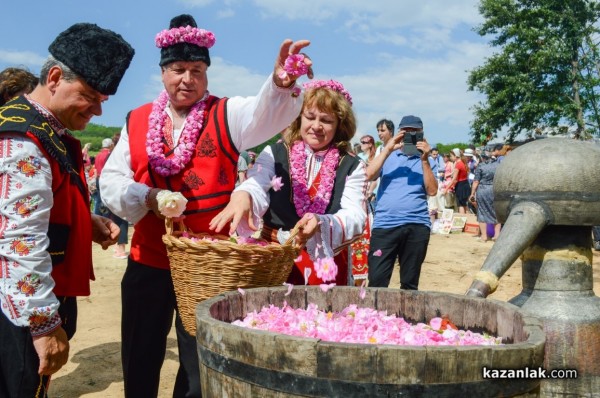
395, 57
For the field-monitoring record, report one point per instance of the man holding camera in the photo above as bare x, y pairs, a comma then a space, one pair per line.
401, 228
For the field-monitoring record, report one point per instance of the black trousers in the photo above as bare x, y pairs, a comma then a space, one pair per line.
19, 362
148, 301
408, 243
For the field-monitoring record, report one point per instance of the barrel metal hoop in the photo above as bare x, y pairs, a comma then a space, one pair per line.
322, 387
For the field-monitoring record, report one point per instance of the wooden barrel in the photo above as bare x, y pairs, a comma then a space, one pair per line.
241, 362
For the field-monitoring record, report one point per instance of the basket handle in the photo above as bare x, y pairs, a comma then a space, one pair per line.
293, 234
170, 228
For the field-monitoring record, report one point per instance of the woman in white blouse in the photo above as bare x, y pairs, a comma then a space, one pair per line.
310, 179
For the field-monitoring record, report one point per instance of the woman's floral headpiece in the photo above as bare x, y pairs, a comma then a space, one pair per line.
331, 85
185, 34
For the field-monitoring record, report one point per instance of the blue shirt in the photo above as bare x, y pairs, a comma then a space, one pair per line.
401, 196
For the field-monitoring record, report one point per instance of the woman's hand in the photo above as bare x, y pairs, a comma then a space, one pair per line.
307, 227
288, 47
104, 231
240, 206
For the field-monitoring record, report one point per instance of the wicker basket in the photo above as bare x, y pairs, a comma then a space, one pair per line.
204, 269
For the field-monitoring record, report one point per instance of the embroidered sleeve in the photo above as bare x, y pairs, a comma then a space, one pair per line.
257, 185
26, 285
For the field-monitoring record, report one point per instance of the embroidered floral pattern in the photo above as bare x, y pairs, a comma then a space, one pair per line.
207, 148
22, 245
25, 281
29, 166
223, 178
28, 285
192, 181
24, 207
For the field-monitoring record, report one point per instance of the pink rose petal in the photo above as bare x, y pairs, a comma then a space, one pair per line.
357, 325
377, 253
435, 323
363, 291
326, 286
276, 183
289, 288
326, 269
307, 272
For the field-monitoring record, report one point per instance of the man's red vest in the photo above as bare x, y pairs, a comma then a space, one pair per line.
206, 181
70, 228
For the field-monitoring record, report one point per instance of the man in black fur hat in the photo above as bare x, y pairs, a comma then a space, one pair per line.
46, 226
187, 141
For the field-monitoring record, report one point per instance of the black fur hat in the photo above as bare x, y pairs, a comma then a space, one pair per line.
99, 56
185, 51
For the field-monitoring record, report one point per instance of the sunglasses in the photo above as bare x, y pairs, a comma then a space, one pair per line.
365, 142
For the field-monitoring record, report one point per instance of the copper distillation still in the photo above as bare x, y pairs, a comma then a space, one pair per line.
547, 195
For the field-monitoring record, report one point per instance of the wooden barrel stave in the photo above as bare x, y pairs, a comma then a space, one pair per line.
268, 364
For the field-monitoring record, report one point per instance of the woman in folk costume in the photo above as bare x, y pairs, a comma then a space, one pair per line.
309, 179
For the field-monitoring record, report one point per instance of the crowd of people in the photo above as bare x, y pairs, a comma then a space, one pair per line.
361, 209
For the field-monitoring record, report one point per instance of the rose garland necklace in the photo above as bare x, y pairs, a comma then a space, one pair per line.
187, 142
300, 187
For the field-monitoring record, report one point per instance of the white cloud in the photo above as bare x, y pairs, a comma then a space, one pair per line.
196, 3
224, 80
382, 14
433, 88
226, 13
228, 80
25, 58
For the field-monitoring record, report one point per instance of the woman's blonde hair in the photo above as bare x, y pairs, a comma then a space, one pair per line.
328, 101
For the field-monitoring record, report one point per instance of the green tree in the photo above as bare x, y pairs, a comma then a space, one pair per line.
545, 76
94, 134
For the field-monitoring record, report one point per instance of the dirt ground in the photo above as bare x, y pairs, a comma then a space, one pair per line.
94, 368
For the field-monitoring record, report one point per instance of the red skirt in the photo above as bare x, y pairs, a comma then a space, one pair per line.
297, 275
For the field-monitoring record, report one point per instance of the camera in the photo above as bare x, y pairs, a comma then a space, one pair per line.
410, 141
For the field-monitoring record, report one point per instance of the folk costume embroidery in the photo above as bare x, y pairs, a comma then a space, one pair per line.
33, 181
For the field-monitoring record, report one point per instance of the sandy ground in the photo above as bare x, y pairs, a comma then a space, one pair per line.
94, 368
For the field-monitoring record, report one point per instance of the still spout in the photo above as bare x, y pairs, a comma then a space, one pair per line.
524, 223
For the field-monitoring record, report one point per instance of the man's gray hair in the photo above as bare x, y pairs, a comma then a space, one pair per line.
50, 62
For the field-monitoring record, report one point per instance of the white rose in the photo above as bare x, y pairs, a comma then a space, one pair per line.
171, 204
